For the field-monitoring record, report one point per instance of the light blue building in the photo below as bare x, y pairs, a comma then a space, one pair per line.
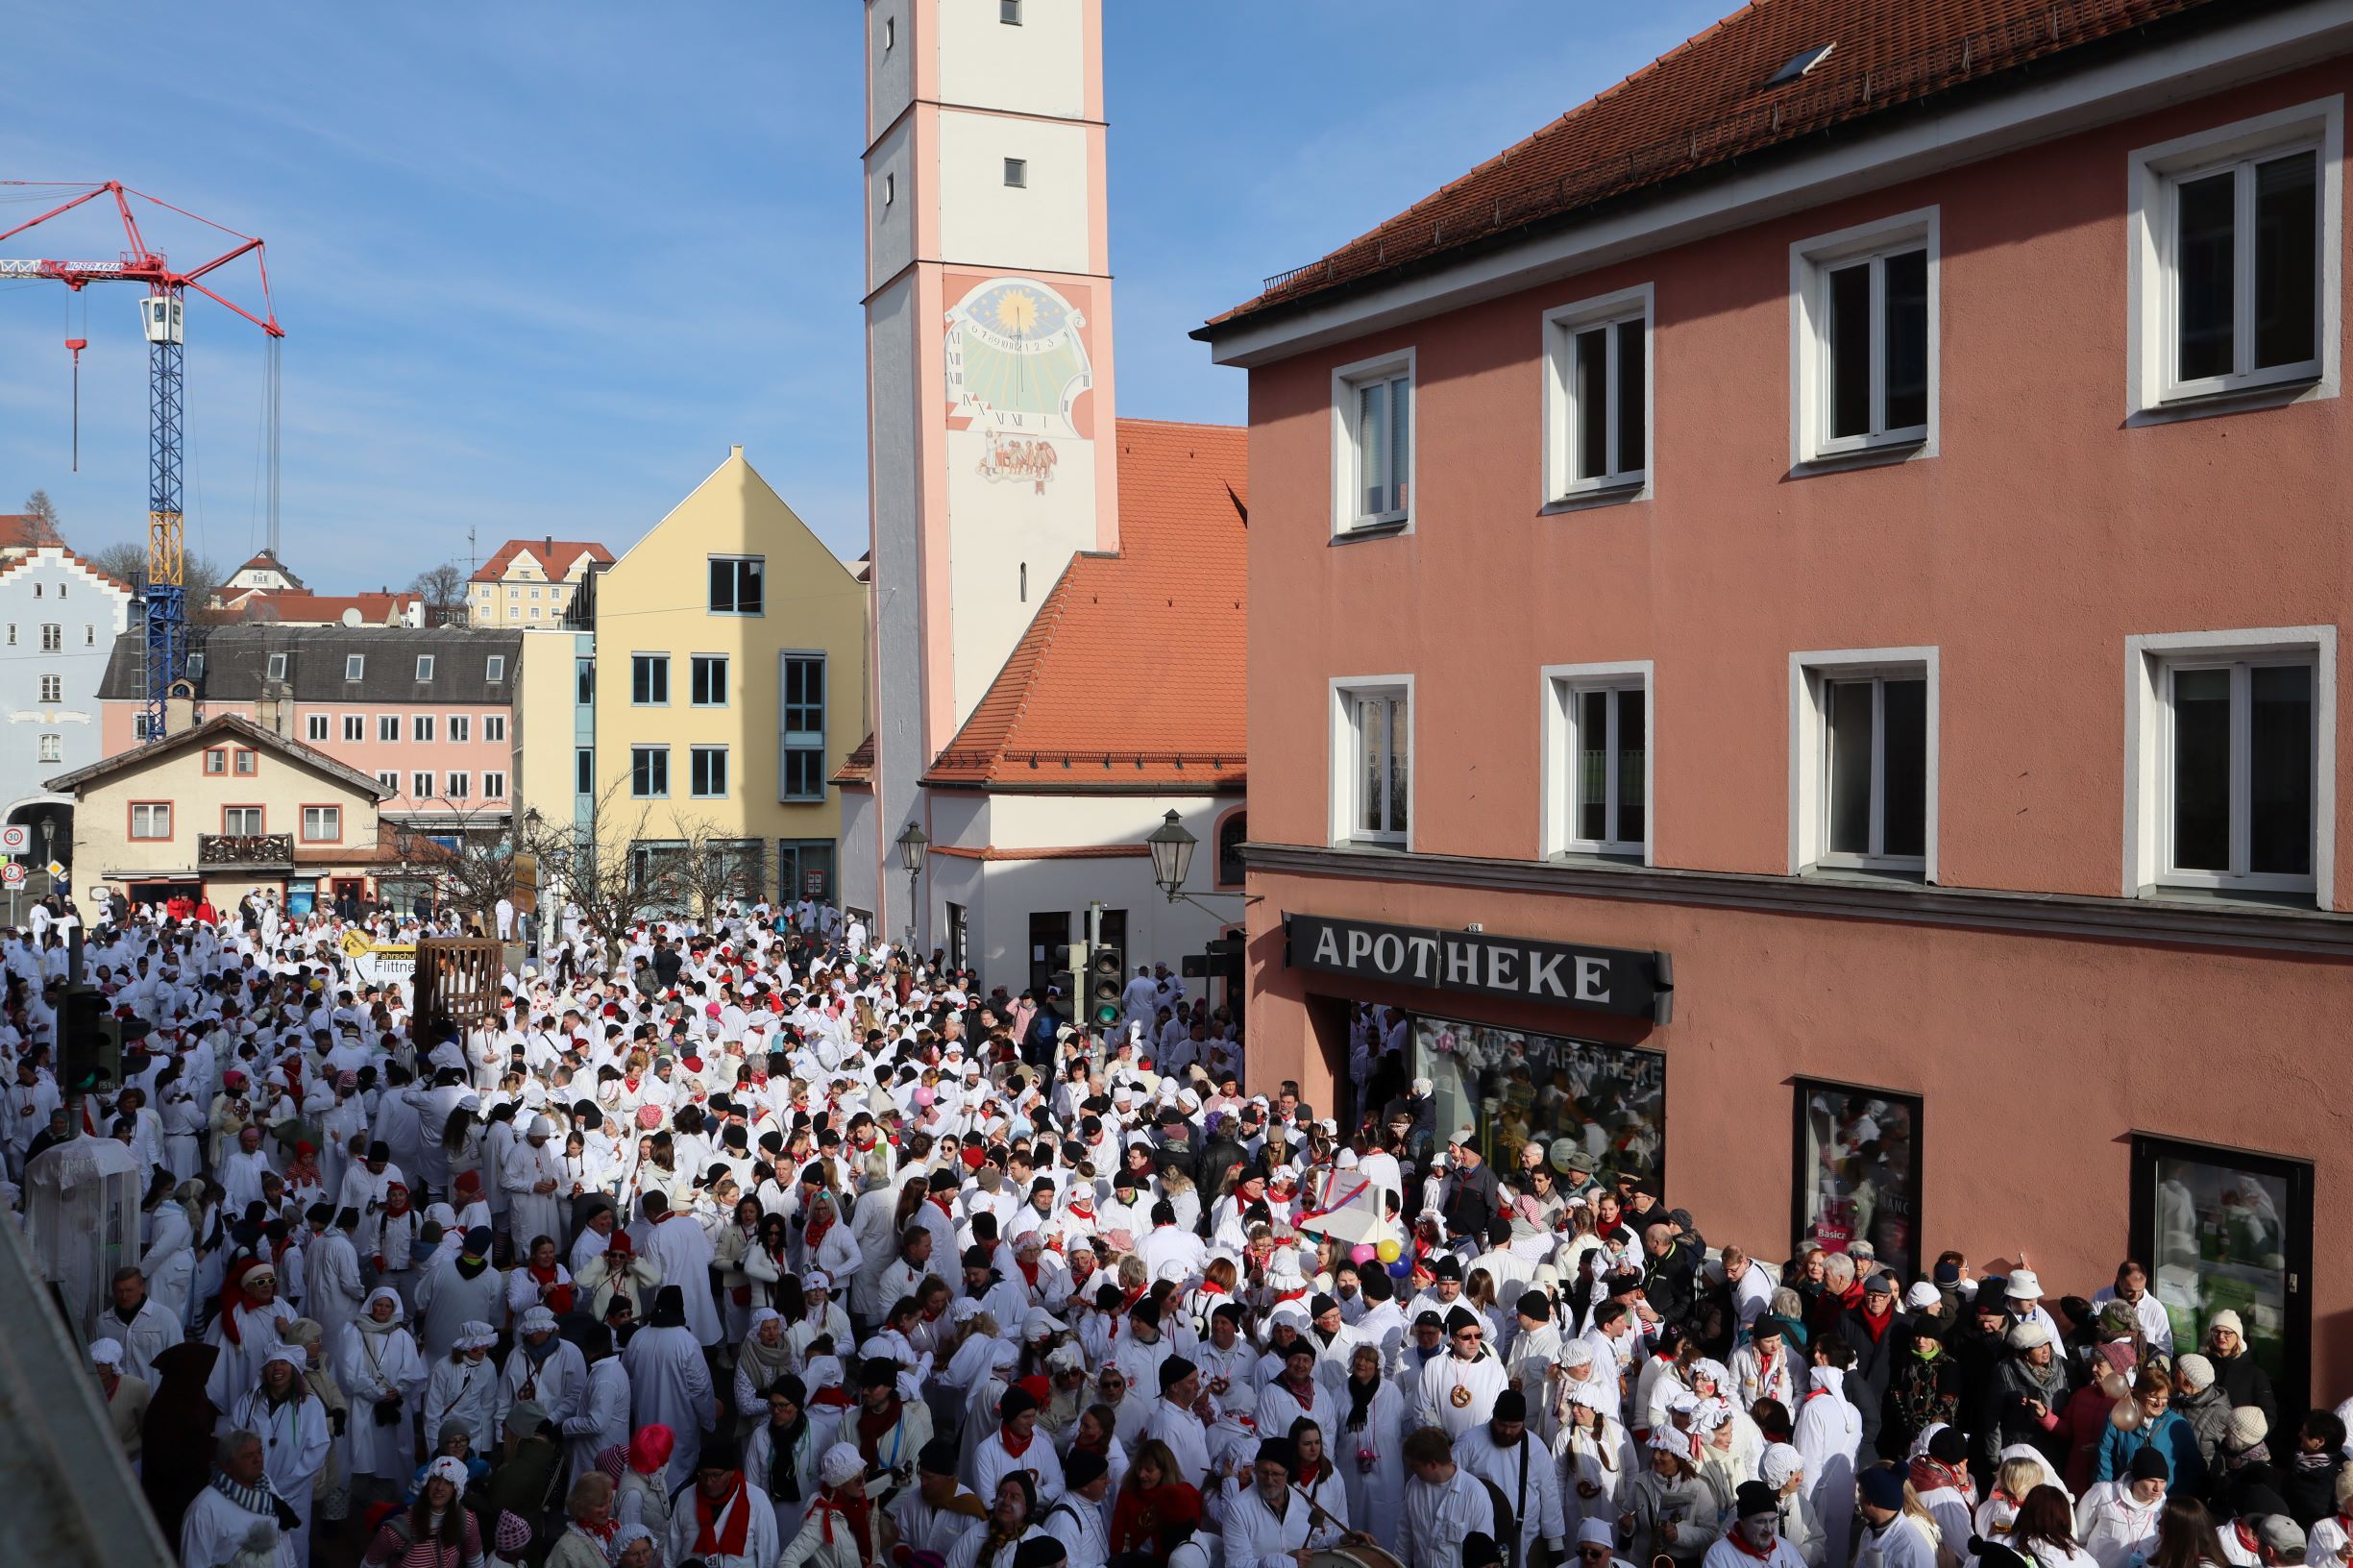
59, 618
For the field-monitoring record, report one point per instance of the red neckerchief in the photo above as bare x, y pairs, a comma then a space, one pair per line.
2246, 1538
1307, 1400
1029, 1272
1741, 1544
855, 1511
721, 1525
873, 1423
815, 1230
1014, 1446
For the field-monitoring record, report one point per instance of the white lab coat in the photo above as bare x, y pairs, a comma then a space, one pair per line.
368, 1368
670, 1383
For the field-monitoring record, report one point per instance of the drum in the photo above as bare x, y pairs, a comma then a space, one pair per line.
1354, 1557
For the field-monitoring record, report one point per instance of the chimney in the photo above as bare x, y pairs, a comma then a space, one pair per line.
178, 709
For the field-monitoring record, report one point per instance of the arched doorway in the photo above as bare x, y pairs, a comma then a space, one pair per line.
54, 814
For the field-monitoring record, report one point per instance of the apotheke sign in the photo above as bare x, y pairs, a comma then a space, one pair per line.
1636, 984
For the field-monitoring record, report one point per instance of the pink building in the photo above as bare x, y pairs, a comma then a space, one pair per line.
428, 713
1795, 641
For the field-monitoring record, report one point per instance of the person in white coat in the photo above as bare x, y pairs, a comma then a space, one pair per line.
542, 1368
169, 1258
1829, 1430
1079, 1520
236, 1511
723, 1520
1889, 1537
670, 1383
1756, 1533
293, 1426
144, 1328
533, 1176
1367, 1442
601, 1420
2116, 1520
379, 1368
463, 1387
782, 1453
1460, 1388
683, 1253
1597, 1459
841, 1530
330, 1265
1266, 1524
1505, 1455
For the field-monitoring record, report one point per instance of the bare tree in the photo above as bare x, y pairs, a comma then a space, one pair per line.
600, 865
42, 515
705, 868
127, 559
477, 871
443, 588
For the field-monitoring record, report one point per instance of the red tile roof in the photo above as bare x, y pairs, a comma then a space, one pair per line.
21, 531
1705, 102
267, 562
555, 557
317, 609
858, 768
1132, 672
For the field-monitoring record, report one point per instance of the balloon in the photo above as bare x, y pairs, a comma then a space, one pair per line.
1401, 1270
1360, 1254
1388, 1250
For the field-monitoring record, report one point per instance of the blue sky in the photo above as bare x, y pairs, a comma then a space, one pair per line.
540, 264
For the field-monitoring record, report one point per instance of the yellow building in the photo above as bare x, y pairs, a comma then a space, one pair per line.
530, 582
729, 682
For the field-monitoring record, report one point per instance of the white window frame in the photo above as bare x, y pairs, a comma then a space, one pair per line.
1346, 519
1809, 770
53, 749
53, 689
1811, 261
652, 661
494, 785
324, 816
420, 785
1562, 684
425, 667
388, 729
1346, 756
355, 729
2151, 393
260, 819
494, 728
275, 668
53, 637
157, 813
662, 794
355, 666
460, 729
2147, 756
390, 780
695, 663
314, 728
1561, 327
794, 741
456, 786
420, 727
494, 670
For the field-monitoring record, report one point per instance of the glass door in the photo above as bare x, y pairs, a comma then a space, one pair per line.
2222, 1229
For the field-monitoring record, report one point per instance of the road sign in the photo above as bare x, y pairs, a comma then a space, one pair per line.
11, 875
15, 838
55, 869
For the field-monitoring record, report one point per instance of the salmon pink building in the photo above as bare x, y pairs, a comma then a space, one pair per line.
1795, 648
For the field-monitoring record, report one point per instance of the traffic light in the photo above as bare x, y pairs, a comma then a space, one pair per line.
90, 1049
1070, 958
1105, 984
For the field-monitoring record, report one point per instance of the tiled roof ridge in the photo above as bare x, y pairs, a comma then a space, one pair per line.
32, 557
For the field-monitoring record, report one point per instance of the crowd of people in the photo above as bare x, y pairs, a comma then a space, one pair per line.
753, 1244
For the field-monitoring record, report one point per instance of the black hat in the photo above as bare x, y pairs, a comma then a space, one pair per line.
1948, 1446
476, 1243
1511, 1406
1999, 1554
938, 1457
2148, 1463
1017, 1400
879, 1372
347, 1219
669, 1308
1537, 1305
1040, 1552
1481, 1551
943, 1181
320, 1213
1083, 1466
720, 1452
1279, 1451
1461, 1318
1755, 1496
379, 1150
1429, 1319
1173, 1371
1447, 1268
1321, 1305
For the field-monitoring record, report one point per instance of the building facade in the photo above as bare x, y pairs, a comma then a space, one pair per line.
428, 714
729, 684
59, 620
530, 583
1000, 515
1825, 667
224, 807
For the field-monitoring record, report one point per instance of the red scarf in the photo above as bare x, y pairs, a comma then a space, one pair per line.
716, 1539
558, 1297
1029, 1272
1014, 1446
855, 1511
873, 1423
1741, 1544
1306, 1399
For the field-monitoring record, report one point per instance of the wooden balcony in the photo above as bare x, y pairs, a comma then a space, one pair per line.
244, 848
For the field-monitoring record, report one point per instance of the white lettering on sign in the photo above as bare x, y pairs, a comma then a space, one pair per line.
1592, 979
1389, 952
1327, 950
1502, 963
1360, 945
1461, 964
1544, 974
1424, 949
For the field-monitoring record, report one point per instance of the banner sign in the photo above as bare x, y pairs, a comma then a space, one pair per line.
1638, 984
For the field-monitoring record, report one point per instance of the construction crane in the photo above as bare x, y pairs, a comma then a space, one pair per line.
163, 316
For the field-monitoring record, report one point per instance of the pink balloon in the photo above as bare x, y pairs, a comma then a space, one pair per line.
1361, 1253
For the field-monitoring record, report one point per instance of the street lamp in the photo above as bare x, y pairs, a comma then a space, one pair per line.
49, 832
913, 846
539, 880
1173, 854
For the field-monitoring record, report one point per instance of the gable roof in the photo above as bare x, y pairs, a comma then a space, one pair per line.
227, 724
554, 557
264, 561
858, 768
236, 662
321, 609
1131, 674
1713, 99
34, 555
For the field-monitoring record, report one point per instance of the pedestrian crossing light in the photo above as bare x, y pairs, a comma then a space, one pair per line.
1105, 968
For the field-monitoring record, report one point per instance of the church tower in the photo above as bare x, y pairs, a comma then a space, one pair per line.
989, 353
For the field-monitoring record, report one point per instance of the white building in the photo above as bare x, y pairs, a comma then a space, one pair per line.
1058, 640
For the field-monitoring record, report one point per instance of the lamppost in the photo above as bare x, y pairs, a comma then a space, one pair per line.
539, 880
914, 844
49, 832
1172, 857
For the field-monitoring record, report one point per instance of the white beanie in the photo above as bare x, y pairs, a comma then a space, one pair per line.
841, 1465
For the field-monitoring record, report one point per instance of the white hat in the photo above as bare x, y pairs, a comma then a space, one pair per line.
2023, 1286
1465, 1135
1922, 1296
475, 1335
106, 1352
1594, 1531
448, 1467
841, 1465
1576, 1353
817, 1278
538, 1320
541, 1127
292, 1355
2026, 1336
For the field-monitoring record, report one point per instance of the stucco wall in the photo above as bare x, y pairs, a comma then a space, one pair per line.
2042, 533
47, 587
103, 845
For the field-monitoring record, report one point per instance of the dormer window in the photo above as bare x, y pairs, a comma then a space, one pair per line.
425, 667
355, 665
277, 668
493, 670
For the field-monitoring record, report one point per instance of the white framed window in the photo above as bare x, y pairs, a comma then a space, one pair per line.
1372, 760
462, 728
314, 728
276, 668
53, 688
151, 820
90, 636
494, 786
707, 772
649, 679
420, 726
454, 786
2233, 267
53, 749
1017, 173
1597, 759
649, 771
425, 662
2230, 740
1863, 339
355, 666
355, 727
707, 680
494, 728
247, 762
390, 781
1372, 444
241, 822
387, 726
494, 668
322, 824
1863, 761
1597, 397
53, 637
421, 786
738, 585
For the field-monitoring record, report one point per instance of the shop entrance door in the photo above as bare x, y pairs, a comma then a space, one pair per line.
2222, 1229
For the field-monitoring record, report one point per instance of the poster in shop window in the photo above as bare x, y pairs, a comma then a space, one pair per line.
1858, 1175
